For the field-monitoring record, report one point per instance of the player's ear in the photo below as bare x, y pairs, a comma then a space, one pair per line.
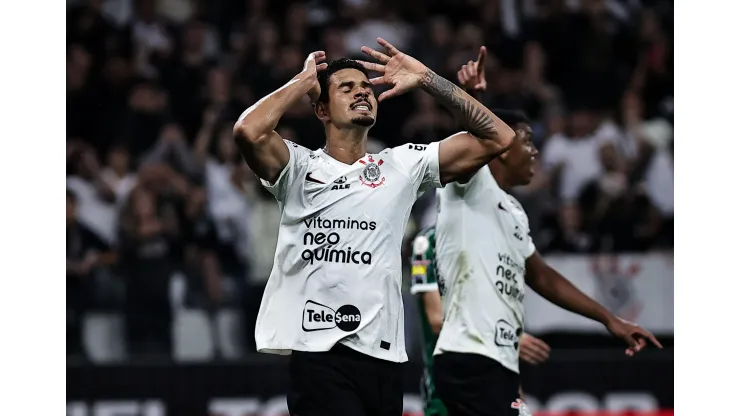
321, 110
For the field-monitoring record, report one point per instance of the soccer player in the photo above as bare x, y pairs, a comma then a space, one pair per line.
424, 285
333, 299
485, 256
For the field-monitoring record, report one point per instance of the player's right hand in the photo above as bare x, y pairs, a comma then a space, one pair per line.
533, 350
472, 76
311, 67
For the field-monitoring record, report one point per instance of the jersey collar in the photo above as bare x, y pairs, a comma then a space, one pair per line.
333, 161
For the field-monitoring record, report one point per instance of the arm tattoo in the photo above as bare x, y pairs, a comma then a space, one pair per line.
474, 116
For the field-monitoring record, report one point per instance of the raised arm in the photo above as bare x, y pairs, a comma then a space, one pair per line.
254, 132
461, 154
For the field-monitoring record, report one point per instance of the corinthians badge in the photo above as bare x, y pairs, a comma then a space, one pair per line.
371, 174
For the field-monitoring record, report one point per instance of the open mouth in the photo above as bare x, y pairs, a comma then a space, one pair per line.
361, 106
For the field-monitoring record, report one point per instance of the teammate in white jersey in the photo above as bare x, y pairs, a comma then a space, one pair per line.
484, 258
333, 299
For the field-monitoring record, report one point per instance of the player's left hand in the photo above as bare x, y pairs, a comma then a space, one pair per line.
634, 335
533, 350
398, 69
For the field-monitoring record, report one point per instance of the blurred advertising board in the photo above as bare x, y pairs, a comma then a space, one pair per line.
603, 384
638, 288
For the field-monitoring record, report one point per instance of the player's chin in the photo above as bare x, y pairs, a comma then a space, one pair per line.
526, 177
364, 121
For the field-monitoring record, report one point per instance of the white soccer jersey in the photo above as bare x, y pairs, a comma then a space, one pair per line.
482, 244
336, 275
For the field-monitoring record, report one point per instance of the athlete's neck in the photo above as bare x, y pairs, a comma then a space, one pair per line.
346, 145
499, 173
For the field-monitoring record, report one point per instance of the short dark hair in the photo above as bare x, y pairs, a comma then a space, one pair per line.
511, 117
332, 67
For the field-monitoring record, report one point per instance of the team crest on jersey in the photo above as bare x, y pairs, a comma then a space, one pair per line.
371, 175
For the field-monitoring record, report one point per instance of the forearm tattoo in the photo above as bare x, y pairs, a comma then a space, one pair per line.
474, 116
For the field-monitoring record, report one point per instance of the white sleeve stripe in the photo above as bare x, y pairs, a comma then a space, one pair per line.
424, 287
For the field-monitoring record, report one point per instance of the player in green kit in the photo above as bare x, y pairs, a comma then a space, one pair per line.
427, 286
424, 285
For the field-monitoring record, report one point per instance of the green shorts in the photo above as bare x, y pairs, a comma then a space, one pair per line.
435, 407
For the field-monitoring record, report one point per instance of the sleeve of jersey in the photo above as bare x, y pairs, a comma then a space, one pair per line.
530, 249
291, 171
421, 162
423, 278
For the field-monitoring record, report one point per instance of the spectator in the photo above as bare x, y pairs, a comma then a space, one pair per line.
227, 206
148, 258
378, 21
150, 37
172, 149
333, 43
85, 253
653, 76
435, 44
569, 234
95, 200
117, 174
574, 158
148, 110
201, 248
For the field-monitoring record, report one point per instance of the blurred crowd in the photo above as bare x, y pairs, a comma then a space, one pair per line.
156, 187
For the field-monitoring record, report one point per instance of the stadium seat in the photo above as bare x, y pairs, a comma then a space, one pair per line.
229, 324
103, 336
193, 340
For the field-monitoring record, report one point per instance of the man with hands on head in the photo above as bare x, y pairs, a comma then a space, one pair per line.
333, 299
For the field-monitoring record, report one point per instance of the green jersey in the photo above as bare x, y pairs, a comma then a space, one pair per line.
424, 279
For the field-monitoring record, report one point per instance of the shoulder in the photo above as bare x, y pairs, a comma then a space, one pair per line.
408, 150
516, 203
521, 213
296, 148
300, 156
470, 185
